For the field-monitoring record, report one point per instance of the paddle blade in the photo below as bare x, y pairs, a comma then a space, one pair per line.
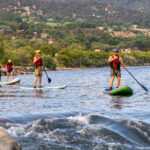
49, 80
146, 89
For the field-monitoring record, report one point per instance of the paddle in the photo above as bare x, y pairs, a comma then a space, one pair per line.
146, 89
49, 79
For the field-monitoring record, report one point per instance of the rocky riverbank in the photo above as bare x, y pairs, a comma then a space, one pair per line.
19, 70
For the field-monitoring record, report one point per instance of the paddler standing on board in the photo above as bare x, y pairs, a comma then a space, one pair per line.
115, 63
9, 67
38, 68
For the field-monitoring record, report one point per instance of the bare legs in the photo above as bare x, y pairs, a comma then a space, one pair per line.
11, 75
35, 81
40, 80
118, 82
7, 76
111, 82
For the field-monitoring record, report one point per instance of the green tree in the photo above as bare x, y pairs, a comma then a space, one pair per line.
48, 49
1, 48
49, 63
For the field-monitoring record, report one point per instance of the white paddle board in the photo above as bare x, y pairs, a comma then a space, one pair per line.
44, 88
9, 82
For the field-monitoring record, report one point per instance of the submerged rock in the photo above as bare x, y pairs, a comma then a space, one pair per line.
7, 142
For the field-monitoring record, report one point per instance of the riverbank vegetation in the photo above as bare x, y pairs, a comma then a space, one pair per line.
77, 50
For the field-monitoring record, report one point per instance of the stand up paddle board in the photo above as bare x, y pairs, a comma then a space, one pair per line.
10, 82
44, 88
125, 90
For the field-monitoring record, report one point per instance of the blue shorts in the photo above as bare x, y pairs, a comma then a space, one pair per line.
9, 70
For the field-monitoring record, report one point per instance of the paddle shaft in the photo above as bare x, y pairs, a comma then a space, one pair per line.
46, 73
133, 77
49, 79
136, 80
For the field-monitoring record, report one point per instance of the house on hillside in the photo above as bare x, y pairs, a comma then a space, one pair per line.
8, 31
126, 50
21, 31
134, 26
36, 39
50, 19
97, 50
74, 15
27, 9
100, 28
39, 12
25, 19
44, 35
19, 4
33, 38
122, 34
34, 7
51, 40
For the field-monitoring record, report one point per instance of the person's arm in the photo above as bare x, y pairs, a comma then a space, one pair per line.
121, 62
35, 59
110, 59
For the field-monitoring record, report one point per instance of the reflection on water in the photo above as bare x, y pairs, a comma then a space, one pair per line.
116, 102
38, 93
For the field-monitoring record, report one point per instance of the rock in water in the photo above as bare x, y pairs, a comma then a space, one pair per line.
7, 142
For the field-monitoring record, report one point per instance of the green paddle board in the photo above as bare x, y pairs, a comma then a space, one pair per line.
125, 90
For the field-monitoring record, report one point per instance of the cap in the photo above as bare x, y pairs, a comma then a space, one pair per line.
38, 51
9, 60
115, 50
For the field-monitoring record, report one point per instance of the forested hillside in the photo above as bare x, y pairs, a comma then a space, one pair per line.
139, 5
100, 12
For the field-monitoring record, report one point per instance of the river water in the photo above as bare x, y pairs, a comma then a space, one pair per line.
80, 117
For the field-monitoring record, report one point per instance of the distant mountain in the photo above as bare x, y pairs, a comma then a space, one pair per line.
100, 10
139, 5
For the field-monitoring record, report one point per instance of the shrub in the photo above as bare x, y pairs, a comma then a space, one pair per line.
49, 63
